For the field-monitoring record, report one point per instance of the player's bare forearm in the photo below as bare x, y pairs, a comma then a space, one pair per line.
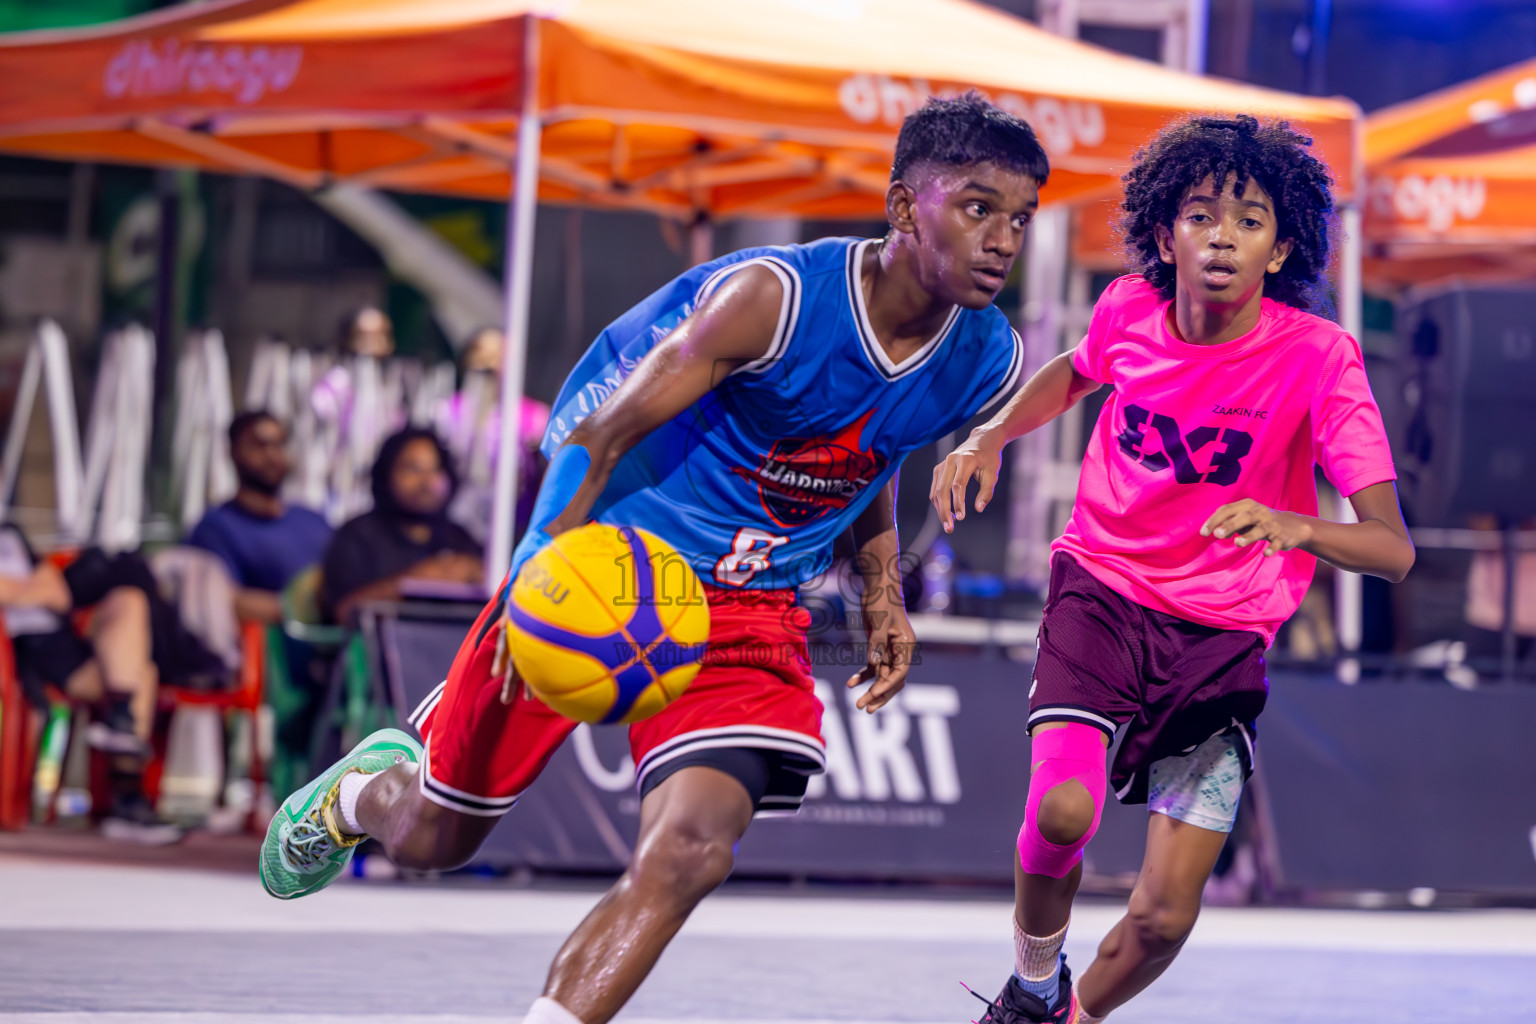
874, 536
889, 632
733, 326
1055, 388
1369, 547
1049, 393
1377, 545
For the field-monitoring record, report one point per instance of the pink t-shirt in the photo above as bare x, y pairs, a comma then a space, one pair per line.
1190, 428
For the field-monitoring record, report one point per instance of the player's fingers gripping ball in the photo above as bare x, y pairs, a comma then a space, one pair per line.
607, 624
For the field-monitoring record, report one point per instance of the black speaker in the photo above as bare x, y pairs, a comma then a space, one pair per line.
1468, 446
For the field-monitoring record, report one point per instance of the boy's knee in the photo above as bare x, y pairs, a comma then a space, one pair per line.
421, 835
1066, 813
1161, 923
427, 848
684, 862
1066, 792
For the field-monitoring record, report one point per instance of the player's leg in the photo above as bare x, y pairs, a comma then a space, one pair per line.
415, 831
689, 826
1066, 798
743, 738
1193, 801
1067, 789
1162, 912
1086, 680
430, 805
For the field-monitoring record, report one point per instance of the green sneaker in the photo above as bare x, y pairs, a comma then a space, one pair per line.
304, 851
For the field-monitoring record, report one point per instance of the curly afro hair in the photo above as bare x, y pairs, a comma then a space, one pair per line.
1272, 154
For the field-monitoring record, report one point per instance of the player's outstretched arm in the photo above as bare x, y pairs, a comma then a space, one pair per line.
735, 325
889, 632
1056, 388
1377, 545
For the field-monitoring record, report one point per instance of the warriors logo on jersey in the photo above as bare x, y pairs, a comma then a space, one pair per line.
754, 481
803, 478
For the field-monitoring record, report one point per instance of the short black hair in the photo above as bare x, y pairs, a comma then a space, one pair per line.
246, 421
1271, 153
964, 130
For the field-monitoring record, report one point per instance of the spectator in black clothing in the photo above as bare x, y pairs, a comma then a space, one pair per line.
407, 535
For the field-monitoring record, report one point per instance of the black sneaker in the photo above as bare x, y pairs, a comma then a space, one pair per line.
113, 733
1013, 1005
132, 820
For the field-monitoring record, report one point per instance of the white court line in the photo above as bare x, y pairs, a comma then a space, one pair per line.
44, 895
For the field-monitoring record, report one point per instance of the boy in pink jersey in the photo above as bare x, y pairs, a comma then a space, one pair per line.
1194, 535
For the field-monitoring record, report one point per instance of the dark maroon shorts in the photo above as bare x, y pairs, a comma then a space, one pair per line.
1106, 661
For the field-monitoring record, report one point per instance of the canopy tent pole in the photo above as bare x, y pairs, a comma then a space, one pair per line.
521, 210
701, 239
1349, 587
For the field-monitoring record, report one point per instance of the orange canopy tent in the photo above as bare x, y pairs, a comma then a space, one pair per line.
681, 107
677, 106
1452, 189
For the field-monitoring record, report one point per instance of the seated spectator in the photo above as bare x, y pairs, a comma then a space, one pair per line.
112, 668
264, 542
407, 534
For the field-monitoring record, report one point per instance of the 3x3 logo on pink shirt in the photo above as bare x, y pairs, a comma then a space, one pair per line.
1179, 448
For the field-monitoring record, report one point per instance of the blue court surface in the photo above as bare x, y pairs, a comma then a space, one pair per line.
94, 944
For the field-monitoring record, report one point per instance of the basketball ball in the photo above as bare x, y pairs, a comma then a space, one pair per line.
607, 624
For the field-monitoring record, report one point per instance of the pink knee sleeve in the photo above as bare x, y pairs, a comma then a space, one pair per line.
1070, 752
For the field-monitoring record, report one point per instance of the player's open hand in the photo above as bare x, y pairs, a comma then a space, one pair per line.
980, 456
891, 643
1248, 522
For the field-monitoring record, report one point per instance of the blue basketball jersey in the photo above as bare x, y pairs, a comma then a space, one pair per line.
754, 481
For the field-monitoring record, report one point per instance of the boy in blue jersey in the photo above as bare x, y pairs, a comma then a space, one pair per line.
747, 413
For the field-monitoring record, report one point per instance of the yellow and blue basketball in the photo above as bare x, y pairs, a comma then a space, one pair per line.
607, 624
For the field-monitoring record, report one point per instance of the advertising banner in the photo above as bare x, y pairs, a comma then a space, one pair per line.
932, 787
1386, 786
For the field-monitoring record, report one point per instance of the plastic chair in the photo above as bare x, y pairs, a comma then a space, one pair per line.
18, 742
246, 698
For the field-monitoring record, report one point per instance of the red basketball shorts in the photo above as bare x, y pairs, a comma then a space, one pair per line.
754, 691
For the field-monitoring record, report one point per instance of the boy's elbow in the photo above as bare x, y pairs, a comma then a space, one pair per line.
1404, 563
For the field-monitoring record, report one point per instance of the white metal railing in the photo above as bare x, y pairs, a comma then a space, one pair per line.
47, 364
202, 471
117, 440
100, 497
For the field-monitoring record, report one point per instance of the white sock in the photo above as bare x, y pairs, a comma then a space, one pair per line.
1037, 962
352, 785
1037, 958
546, 1011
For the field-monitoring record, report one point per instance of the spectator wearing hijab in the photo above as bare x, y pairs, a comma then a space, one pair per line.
407, 534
